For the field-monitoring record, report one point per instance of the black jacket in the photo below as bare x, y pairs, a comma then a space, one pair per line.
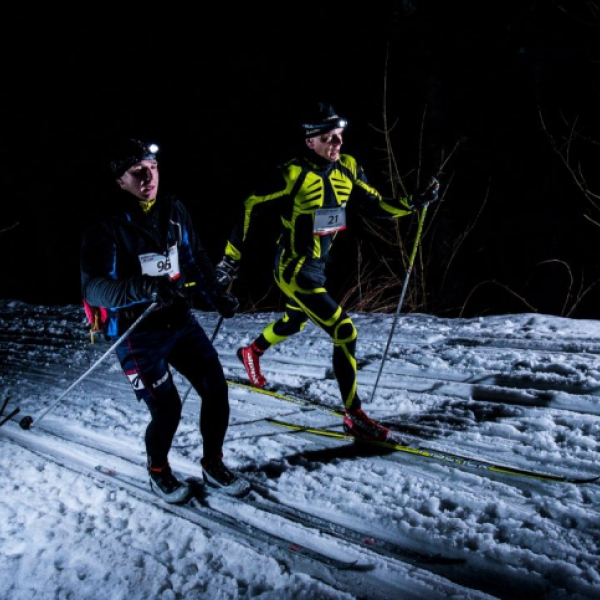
111, 268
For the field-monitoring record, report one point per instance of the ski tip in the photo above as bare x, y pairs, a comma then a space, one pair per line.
584, 480
356, 565
105, 470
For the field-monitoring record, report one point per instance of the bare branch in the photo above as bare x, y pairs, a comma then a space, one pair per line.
500, 285
10, 227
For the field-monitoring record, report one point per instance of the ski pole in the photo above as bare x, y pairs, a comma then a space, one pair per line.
10, 415
27, 421
401, 301
212, 339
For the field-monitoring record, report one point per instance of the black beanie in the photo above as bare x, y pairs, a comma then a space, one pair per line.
322, 118
128, 153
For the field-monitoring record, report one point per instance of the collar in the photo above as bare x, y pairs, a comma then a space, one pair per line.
317, 162
146, 205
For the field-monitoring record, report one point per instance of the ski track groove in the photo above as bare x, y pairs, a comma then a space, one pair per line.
366, 555
490, 395
483, 578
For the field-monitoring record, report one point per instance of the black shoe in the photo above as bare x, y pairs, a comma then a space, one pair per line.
167, 486
217, 475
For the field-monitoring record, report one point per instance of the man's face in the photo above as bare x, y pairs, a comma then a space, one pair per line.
141, 180
328, 145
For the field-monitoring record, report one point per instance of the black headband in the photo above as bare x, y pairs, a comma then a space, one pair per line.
311, 130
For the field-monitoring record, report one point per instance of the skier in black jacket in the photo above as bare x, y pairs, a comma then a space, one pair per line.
149, 252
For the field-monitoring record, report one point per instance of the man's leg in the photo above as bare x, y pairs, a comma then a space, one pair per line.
142, 360
195, 357
292, 322
318, 305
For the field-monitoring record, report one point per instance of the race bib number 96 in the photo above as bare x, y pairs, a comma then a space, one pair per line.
161, 264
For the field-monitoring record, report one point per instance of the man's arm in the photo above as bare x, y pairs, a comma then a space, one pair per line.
98, 267
381, 206
273, 189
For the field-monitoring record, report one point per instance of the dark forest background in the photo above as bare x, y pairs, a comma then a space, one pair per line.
501, 99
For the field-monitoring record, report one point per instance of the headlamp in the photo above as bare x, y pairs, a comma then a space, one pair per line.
142, 151
313, 129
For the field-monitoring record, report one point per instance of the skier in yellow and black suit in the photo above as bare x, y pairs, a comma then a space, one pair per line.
311, 193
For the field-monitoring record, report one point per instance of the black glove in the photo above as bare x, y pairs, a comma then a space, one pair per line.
227, 305
427, 194
161, 289
226, 272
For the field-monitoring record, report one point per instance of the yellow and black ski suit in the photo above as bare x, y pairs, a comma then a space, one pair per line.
310, 195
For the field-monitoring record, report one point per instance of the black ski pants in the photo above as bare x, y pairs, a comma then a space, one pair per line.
146, 358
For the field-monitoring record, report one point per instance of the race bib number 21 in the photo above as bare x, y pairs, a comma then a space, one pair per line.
329, 220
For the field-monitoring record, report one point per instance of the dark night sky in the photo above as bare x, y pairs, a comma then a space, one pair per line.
220, 92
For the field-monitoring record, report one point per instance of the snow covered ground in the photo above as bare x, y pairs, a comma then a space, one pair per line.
521, 391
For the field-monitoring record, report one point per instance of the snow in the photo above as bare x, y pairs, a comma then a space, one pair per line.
517, 390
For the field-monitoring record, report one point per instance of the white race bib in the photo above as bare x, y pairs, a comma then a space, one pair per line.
159, 264
329, 220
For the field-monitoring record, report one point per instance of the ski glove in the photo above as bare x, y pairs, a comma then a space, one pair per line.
161, 289
226, 272
227, 305
427, 194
